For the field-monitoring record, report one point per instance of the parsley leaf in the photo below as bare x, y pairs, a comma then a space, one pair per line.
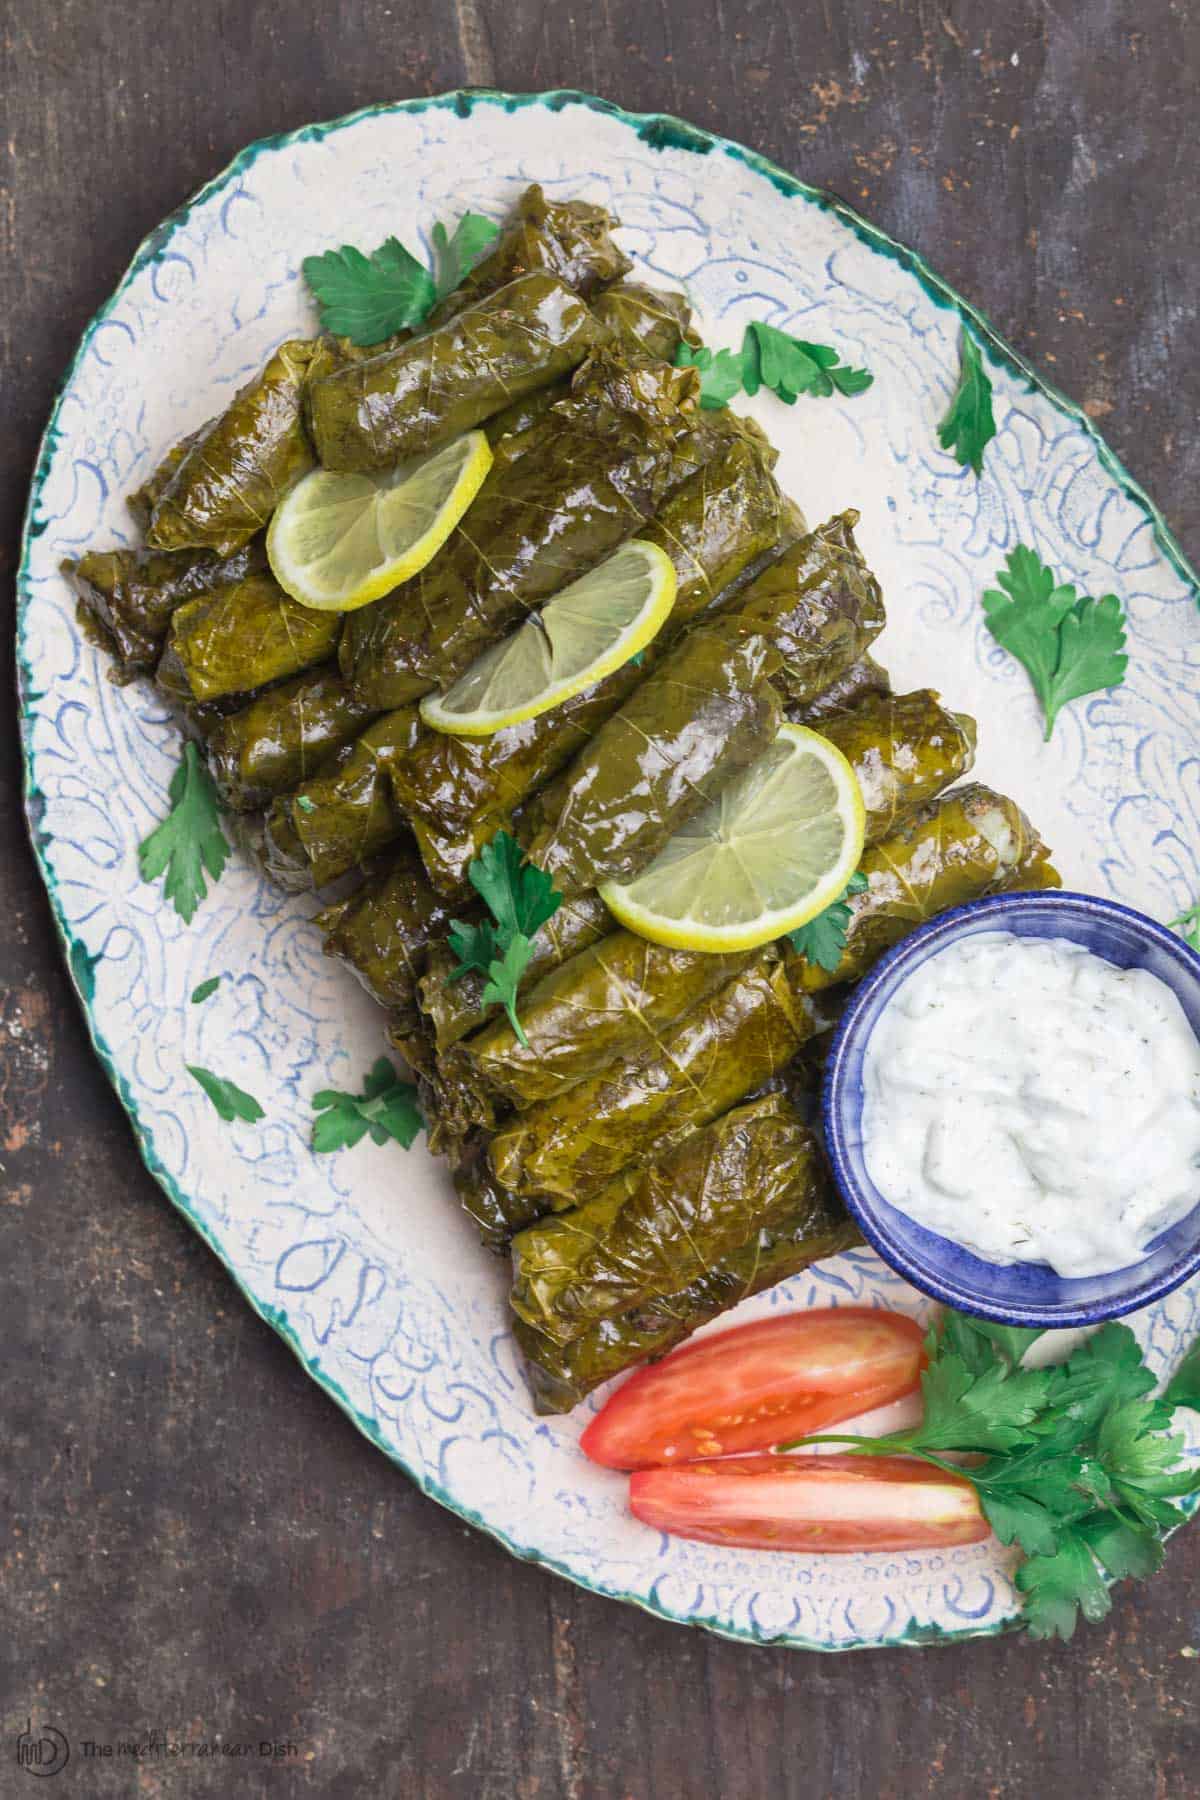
189, 841
387, 1108
772, 359
520, 897
720, 373
823, 939
1076, 1466
968, 427
231, 1101
453, 256
1188, 925
505, 978
1068, 646
205, 989
367, 298
791, 366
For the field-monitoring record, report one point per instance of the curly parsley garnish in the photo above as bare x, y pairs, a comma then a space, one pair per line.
189, 842
1074, 1465
520, 898
1068, 646
367, 298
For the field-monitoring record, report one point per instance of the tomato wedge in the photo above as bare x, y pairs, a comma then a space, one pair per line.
757, 1386
822, 1503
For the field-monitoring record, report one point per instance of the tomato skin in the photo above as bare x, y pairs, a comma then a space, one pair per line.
836, 1504
756, 1386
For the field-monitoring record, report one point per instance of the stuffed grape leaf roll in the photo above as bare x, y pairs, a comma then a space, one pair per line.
384, 929
346, 814
127, 597
571, 239
862, 680
816, 1225
970, 842
604, 459
818, 604
904, 749
375, 413
567, 1148
707, 711
653, 1231
282, 737
240, 637
455, 1007
237, 469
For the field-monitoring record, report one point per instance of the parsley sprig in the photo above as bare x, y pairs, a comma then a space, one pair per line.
823, 939
367, 298
387, 1108
231, 1101
1073, 1464
771, 358
520, 898
969, 427
189, 842
1069, 646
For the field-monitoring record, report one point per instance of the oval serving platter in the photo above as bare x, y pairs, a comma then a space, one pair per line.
360, 1260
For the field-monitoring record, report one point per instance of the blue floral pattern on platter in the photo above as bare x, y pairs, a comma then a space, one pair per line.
361, 1260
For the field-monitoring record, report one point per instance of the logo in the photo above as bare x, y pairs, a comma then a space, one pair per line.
44, 1752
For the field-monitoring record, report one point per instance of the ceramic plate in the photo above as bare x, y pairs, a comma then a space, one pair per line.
361, 1260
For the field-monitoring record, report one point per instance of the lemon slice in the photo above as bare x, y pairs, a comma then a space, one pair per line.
589, 629
337, 542
774, 849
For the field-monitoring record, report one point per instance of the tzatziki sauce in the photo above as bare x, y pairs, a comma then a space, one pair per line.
1034, 1103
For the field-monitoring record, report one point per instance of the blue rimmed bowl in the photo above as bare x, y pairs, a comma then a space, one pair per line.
1016, 1293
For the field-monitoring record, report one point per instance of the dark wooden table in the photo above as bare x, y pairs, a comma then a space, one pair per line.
194, 1540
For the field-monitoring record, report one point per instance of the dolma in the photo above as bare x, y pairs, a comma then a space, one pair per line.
605, 458
455, 1007
904, 749
346, 814
818, 605
958, 848
237, 470
374, 414
568, 238
496, 1213
652, 321
860, 681
816, 1226
613, 1001
282, 737
129, 596
459, 791
567, 1148
707, 711
652, 1232
384, 929
240, 637
142, 501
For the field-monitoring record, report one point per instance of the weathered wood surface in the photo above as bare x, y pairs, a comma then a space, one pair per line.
194, 1539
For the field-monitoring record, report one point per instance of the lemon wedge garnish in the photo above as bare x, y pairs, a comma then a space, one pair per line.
586, 631
775, 848
337, 542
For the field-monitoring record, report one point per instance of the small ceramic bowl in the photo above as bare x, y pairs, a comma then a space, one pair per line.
1016, 1293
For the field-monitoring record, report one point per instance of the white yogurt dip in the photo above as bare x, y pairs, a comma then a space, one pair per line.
1034, 1103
